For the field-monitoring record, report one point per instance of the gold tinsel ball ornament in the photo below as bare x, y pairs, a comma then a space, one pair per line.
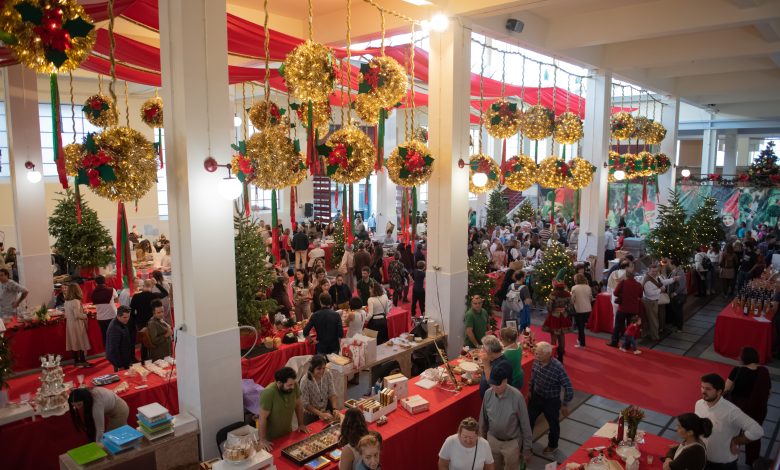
349, 155
48, 36
553, 172
502, 119
662, 163
537, 122
273, 156
384, 80
520, 173
152, 112
301, 173
135, 166
367, 108
622, 125
614, 165
641, 127
656, 133
73, 156
309, 71
266, 113
410, 164
481, 163
568, 128
320, 112
100, 111
581, 173
645, 163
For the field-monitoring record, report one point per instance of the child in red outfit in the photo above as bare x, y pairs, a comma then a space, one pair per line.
633, 332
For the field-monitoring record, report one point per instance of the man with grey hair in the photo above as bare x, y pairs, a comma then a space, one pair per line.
547, 380
492, 356
503, 420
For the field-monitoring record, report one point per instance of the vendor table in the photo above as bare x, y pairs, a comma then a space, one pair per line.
733, 331
399, 320
412, 441
38, 443
30, 341
602, 318
498, 279
655, 446
328, 248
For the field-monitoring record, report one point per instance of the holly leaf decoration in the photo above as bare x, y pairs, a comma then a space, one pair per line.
324, 150
331, 169
492, 175
364, 68
56, 57
297, 146
364, 87
513, 107
107, 173
495, 107
495, 120
241, 176
78, 27
29, 12
282, 111
428, 160
281, 70
89, 143
294, 106
403, 152
381, 81
8, 39
404, 173
82, 177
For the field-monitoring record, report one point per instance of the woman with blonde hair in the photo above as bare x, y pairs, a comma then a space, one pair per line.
466, 450
582, 298
76, 338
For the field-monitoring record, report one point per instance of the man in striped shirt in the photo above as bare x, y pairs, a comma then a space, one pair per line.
547, 380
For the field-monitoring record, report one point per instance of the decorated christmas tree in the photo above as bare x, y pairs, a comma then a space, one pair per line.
253, 274
705, 224
526, 211
496, 209
479, 282
670, 237
556, 263
338, 241
87, 244
6, 362
764, 169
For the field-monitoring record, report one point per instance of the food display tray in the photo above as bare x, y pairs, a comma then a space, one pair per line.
314, 445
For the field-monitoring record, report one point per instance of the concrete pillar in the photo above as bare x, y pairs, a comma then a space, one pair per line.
709, 149
198, 123
730, 153
743, 151
24, 143
670, 117
386, 189
595, 145
447, 276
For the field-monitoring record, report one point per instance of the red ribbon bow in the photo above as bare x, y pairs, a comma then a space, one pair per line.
372, 77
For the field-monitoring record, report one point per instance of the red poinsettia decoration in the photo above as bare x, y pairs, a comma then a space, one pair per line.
372, 77
338, 155
150, 114
96, 104
564, 169
414, 161
52, 35
244, 165
744, 177
484, 166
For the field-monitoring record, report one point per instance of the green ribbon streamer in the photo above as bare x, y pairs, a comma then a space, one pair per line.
414, 213
55, 130
274, 222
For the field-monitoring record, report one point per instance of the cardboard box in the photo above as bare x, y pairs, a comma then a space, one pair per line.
369, 347
415, 404
375, 415
399, 383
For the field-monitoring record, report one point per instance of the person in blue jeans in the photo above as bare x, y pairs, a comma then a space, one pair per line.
547, 380
633, 332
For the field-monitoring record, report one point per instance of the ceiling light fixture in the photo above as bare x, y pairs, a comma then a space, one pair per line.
479, 179
33, 175
229, 188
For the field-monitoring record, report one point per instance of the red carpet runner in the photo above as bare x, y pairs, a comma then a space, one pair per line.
655, 380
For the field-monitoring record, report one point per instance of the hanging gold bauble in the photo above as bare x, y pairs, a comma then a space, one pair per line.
520, 172
553, 172
48, 36
581, 173
481, 163
309, 71
360, 158
99, 110
622, 125
568, 128
641, 127
152, 112
656, 133
73, 156
502, 119
321, 113
135, 165
258, 115
384, 79
367, 108
410, 164
273, 157
662, 163
537, 122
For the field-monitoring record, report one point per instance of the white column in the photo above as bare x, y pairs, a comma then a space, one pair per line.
670, 117
24, 143
198, 123
447, 276
730, 153
595, 145
386, 189
743, 151
709, 148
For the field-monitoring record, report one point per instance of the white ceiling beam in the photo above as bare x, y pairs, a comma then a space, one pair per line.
734, 97
628, 22
769, 30
747, 3
534, 29
486, 8
704, 67
712, 84
775, 58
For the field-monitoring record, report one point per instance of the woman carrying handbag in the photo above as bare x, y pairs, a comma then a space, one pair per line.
378, 309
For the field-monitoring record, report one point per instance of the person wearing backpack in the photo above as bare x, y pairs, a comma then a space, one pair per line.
516, 304
703, 266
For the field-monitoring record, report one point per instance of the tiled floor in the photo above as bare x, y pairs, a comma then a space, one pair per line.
589, 412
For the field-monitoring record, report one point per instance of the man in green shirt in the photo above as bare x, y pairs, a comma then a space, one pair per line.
277, 404
476, 322
364, 285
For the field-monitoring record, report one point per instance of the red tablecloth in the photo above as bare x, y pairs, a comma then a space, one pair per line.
498, 279
399, 320
412, 442
29, 444
261, 368
733, 331
602, 318
328, 254
656, 446
89, 286
27, 345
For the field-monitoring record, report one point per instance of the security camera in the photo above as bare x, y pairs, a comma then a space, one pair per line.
514, 25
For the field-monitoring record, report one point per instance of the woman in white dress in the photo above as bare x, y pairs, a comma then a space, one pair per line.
76, 338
